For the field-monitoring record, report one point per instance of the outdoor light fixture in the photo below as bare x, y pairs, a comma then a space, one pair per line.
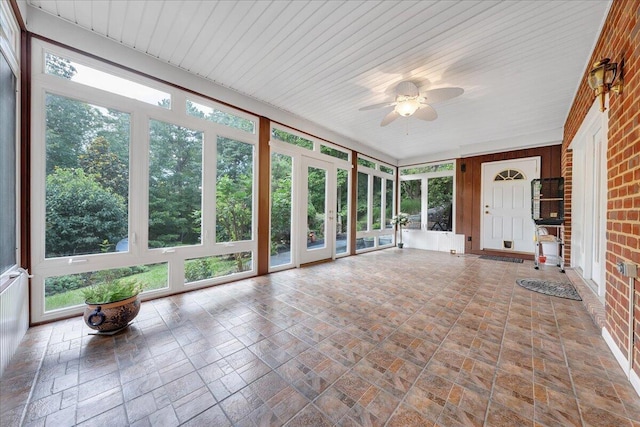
602, 78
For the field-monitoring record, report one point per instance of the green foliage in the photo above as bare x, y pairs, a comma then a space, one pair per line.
62, 284
107, 292
81, 214
106, 167
216, 266
175, 182
281, 173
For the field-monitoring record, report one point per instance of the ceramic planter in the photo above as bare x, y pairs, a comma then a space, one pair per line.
111, 316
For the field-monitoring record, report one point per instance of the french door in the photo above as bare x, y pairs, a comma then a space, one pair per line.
317, 210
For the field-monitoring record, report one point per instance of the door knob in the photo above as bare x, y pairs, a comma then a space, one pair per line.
486, 206
486, 212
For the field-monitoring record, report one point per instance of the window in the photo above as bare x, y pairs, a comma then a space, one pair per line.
190, 166
375, 195
195, 109
9, 104
334, 152
79, 73
426, 194
281, 209
234, 190
8, 219
175, 185
290, 138
87, 177
509, 175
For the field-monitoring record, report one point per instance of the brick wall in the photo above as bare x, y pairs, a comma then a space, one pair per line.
620, 38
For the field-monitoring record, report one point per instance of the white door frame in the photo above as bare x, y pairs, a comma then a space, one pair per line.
589, 183
505, 164
306, 255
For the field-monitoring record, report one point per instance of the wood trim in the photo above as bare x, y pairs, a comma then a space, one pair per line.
16, 12
25, 156
469, 197
264, 196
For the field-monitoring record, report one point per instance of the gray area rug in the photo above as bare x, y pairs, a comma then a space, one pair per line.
556, 289
501, 258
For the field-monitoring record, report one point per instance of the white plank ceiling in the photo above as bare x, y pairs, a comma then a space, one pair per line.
519, 62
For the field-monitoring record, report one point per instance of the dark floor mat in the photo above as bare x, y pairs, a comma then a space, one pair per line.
556, 289
501, 258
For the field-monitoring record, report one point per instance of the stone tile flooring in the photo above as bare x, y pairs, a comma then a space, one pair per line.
394, 337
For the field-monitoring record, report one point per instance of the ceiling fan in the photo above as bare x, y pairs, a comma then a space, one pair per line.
409, 102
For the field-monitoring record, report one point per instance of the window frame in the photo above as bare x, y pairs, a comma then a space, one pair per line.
371, 233
424, 196
10, 49
141, 114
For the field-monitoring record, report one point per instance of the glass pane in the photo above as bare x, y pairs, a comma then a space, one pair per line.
234, 191
316, 207
440, 203
88, 76
386, 169
290, 138
366, 163
365, 243
426, 169
386, 239
87, 184
204, 268
411, 202
388, 211
281, 174
362, 214
66, 291
377, 203
211, 114
342, 209
339, 154
175, 185
8, 113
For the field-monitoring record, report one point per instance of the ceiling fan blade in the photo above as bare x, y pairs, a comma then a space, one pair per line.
426, 113
442, 94
389, 118
374, 106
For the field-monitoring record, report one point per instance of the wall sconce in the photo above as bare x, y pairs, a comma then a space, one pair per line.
602, 78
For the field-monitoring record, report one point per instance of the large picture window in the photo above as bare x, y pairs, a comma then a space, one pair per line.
426, 194
140, 181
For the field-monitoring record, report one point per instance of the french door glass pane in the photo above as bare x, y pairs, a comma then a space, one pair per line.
363, 202
175, 185
316, 207
281, 182
377, 203
234, 190
342, 211
388, 207
87, 183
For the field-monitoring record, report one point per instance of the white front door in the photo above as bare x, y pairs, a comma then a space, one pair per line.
506, 204
317, 202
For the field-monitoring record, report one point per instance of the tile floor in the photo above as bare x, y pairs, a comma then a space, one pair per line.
394, 337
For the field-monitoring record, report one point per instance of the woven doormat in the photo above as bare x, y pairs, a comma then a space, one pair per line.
556, 289
501, 258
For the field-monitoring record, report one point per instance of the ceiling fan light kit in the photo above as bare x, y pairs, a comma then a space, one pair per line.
410, 103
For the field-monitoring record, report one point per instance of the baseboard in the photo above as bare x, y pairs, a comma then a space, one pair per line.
620, 357
635, 381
